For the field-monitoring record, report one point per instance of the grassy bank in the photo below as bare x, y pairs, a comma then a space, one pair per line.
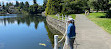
56, 17
99, 19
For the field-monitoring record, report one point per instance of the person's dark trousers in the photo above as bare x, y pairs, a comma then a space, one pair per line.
71, 42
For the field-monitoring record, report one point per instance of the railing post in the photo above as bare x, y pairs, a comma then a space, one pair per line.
62, 17
67, 39
55, 41
58, 17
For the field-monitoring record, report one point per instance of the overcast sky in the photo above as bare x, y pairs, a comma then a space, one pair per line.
40, 2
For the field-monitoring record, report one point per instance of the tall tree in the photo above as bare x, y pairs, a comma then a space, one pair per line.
26, 6
52, 7
0, 4
10, 4
17, 4
33, 9
21, 5
45, 2
34, 1
3, 6
7, 4
99, 4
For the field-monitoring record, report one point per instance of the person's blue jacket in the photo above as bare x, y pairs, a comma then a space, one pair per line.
71, 30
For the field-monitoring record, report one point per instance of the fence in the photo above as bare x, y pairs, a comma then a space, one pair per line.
56, 42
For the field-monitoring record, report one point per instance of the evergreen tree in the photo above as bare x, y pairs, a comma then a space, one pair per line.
45, 2
21, 5
33, 9
3, 6
10, 4
17, 4
26, 6
34, 1
0, 4
7, 4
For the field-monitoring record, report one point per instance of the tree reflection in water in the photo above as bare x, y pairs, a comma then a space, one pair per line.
51, 32
24, 19
27, 19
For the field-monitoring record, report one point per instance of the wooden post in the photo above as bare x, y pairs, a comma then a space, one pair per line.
55, 41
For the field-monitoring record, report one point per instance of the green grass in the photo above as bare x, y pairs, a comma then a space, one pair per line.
103, 22
96, 15
73, 16
54, 16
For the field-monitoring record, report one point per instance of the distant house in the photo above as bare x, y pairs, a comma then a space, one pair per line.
12, 9
1, 8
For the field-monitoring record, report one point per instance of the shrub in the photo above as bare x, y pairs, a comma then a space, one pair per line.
108, 14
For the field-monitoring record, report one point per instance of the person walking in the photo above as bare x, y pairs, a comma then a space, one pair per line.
71, 32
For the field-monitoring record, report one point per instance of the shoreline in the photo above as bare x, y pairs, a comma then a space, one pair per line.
57, 24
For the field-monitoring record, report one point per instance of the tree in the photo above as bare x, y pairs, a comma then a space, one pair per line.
26, 6
108, 14
17, 4
66, 6
48, 7
21, 5
104, 4
45, 2
99, 4
53, 7
33, 9
10, 4
3, 6
7, 4
34, 1
0, 3
74, 6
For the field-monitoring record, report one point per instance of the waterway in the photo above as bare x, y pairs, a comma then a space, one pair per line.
25, 32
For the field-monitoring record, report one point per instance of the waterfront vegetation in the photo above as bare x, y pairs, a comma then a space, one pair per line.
21, 8
101, 20
67, 7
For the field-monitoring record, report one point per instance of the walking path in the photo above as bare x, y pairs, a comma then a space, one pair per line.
89, 35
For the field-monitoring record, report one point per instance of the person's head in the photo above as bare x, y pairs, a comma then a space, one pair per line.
70, 20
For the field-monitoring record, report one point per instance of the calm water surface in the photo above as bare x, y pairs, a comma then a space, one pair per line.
24, 32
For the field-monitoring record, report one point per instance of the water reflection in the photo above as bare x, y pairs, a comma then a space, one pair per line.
38, 31
51, 32
28, 19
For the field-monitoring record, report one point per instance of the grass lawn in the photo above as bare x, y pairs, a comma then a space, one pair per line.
99, 19
73, 16
54, 16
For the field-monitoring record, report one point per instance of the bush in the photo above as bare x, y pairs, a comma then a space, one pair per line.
108, 14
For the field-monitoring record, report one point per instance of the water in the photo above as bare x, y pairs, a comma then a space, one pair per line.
10, 15
24, 32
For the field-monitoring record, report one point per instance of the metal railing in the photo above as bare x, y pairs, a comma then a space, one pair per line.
56, 42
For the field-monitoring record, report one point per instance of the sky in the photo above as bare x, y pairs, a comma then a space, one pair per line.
40, 2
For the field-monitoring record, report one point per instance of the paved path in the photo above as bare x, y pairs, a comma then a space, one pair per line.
89, 35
